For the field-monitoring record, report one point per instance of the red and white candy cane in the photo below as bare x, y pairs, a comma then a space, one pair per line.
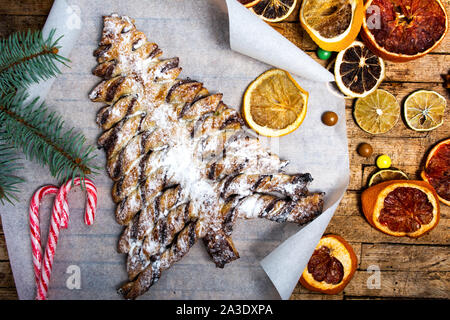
35, 231
59, 219
91, 201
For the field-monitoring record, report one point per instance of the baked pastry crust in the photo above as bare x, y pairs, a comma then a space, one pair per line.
182, 165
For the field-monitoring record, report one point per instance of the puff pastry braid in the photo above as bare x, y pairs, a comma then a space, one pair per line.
182, 165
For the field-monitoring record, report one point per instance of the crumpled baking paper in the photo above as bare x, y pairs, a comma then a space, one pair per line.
208, 38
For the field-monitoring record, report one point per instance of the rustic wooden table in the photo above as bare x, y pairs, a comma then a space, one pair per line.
388, 267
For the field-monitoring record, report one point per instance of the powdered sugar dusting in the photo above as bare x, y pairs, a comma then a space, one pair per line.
189, 149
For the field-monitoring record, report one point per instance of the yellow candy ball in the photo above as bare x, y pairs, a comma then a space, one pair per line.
383, 161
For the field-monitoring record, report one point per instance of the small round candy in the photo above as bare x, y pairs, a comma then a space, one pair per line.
323, 54
383, 161
330, 118
365, 150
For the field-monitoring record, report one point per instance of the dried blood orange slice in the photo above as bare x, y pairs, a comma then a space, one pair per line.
401, 207
331, 266
402, 30
437, 170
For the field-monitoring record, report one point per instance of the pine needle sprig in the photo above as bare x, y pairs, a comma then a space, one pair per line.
42, 138
26, 58
9, 180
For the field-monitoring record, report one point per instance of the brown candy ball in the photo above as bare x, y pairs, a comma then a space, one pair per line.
330, 118
365, 150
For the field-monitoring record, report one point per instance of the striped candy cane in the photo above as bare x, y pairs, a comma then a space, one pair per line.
62, 205
35, 231
59, 219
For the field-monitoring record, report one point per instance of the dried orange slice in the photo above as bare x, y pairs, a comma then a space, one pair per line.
402, 30
377, 113
274, 10
424, 110
358, 72
249, 3
401, 207
387, 175
331, 266
437, 170
274, 104
332, 24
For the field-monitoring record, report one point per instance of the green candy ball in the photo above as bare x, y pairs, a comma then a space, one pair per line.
323, 54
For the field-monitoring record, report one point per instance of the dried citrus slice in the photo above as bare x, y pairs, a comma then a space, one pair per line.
402, 30
401, 207
332, 24
387, 175
249, 3
274, 104
424, 110
377, 113
437, 170
274, 10
331, 266
358, 72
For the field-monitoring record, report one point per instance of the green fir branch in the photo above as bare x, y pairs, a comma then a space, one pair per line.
9, 180
42, 138
26, 58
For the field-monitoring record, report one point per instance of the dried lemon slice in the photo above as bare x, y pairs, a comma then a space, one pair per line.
274, 104
377, 113
387, 175
274, 10
332, 24
358, 72
424, 110
249, 3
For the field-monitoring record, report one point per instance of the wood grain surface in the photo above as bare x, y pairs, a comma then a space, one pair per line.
407, 268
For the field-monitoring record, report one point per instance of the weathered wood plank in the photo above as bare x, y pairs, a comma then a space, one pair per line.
6, 277
314, 296
10, 24
28, 8
355, 228
8, 294
403, 151
407, 284
3, 249
396, 264
295, 33
349, 204
405, 257
427, 69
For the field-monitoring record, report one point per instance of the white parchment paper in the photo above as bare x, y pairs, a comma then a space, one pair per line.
197, 31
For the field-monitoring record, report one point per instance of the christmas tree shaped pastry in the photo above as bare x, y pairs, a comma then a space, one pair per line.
183, 167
